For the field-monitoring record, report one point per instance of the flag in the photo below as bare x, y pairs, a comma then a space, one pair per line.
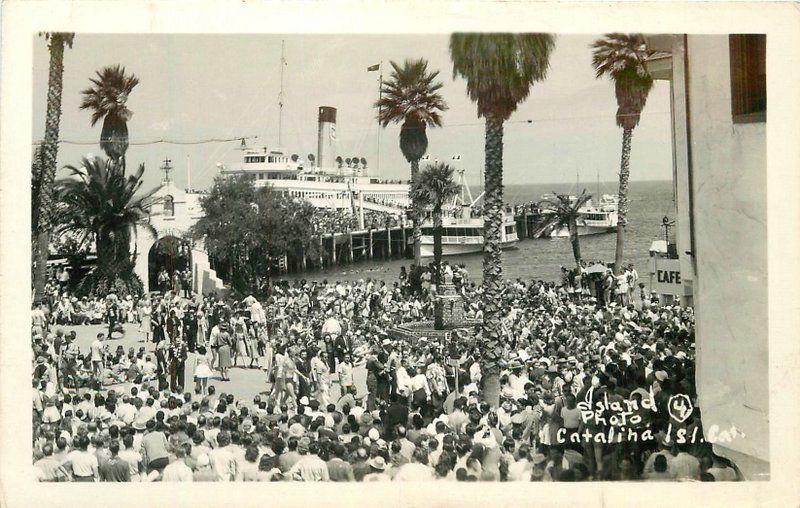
373, 67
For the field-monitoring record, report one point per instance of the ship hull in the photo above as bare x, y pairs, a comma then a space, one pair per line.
457, 249
583, 231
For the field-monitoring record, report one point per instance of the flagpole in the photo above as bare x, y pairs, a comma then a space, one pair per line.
380, 96
280, 99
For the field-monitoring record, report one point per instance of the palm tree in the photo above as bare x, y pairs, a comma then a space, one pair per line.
565, 215
107, 100
44, 164
98, 200
499, 70
411, 96
622, 58
433, 187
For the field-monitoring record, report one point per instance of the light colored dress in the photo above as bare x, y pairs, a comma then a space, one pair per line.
202, 370
144, 317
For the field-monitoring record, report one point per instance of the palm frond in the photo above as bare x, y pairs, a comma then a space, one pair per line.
109, 94
411, 91
623, 58
500, 68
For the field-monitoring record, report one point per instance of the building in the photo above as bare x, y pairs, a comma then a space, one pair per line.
173, 214
718, 96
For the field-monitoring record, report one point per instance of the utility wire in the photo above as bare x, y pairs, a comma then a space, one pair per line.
237, 138
158, 141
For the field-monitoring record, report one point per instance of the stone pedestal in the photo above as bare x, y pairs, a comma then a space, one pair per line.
452, 305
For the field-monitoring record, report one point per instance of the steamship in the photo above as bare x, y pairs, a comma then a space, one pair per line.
326, 181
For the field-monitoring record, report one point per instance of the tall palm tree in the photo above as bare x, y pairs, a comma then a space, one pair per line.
622, 58
434, 187
45, 160
565, 215
411, 95
98, 200
499, 70
107, 100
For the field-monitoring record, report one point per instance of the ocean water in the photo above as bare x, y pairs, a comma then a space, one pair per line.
542, 258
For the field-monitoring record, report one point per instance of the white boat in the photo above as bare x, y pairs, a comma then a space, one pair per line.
465, 236
324, 180
463, 230
594, 219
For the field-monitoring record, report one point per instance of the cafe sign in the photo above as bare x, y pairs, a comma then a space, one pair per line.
665, 276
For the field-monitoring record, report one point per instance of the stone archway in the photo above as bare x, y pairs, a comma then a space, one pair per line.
168, 262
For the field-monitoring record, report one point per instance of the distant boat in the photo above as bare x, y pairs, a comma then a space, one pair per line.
593, 220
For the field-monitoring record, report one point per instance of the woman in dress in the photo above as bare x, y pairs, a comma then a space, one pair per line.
144, 319
240, 334
251, 343
224, 351
202, 327
202, 371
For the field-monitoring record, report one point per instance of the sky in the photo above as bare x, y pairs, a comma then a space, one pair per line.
201, 87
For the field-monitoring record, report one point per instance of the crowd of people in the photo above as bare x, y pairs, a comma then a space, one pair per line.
585, 389
326, 221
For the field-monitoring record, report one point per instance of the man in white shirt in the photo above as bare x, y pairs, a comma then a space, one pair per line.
97, 355
178, 471
310, 468
132, 457
126, 411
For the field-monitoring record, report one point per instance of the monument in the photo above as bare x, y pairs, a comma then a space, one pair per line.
453, 317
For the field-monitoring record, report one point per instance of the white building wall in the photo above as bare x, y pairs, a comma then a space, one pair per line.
728, 184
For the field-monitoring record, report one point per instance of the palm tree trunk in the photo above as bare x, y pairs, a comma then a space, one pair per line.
438, 318
50, 155
576, 245
622, 213
492, 267
416, 218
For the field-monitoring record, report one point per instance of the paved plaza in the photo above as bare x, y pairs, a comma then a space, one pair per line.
244, 383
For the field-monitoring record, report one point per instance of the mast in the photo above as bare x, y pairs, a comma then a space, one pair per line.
280, 98
380, 96
188, 173
598, 185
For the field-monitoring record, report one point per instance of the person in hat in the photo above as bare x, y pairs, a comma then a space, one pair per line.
378, 470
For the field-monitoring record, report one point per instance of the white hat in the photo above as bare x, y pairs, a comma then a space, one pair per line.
304, 400
373, 434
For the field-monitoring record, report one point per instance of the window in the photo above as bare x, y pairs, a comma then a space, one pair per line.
169, 206
748, 77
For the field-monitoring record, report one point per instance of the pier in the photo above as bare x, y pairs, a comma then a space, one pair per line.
352, 246
395, 242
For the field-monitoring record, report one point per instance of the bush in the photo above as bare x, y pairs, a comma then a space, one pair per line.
119, 279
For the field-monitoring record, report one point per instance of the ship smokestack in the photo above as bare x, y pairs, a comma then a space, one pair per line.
326, 137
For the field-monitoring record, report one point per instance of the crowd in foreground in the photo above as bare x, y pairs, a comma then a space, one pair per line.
585, 389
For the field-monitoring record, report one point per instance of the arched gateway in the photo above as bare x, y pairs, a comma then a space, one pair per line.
171, 248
